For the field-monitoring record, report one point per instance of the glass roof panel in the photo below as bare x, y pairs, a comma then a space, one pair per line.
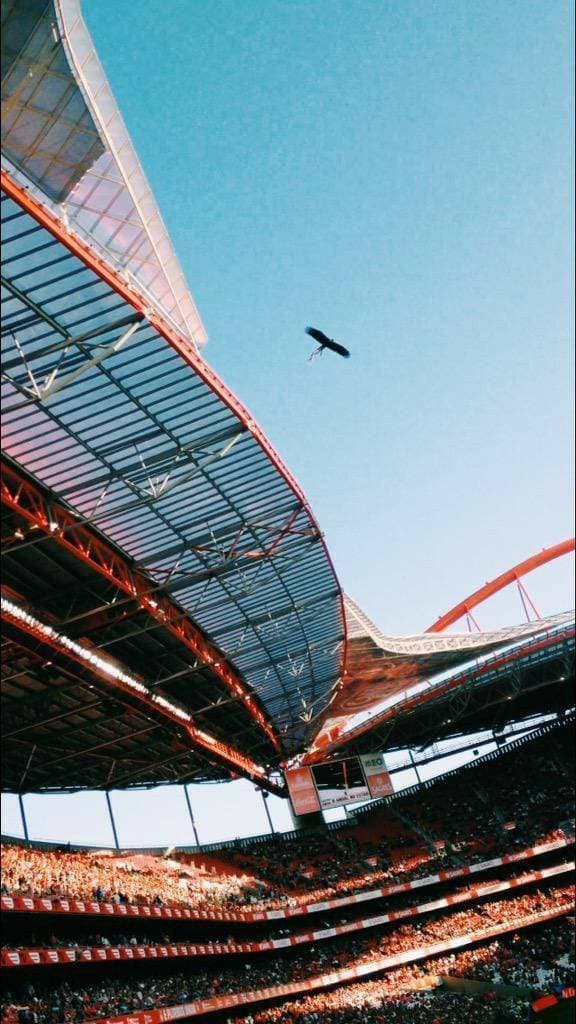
151, 453
62, 131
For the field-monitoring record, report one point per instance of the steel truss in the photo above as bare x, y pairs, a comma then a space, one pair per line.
198, 738
464, 608
242, 556
22, 496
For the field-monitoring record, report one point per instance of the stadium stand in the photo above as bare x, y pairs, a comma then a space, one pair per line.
480, 812
345, 960
415, 993
139, 941
344, 945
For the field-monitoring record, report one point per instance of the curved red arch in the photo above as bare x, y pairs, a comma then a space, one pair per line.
459, 610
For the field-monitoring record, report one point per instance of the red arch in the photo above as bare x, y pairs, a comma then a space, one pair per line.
461, 609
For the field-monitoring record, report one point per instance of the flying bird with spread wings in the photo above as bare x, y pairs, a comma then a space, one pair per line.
325, 342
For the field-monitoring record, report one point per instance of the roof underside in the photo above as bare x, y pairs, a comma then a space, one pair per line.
539, 681
103, 412
384, 676
384, 670
62, 731
63, 725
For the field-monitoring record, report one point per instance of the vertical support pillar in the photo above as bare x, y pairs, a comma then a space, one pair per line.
415, 766
471, 621
267, 809
23, 816
190, 812
520, 591
112, 822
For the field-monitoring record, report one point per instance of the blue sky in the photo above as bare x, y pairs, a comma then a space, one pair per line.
399, 173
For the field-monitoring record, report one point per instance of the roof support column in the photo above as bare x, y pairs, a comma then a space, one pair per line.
112, 822
23, 816
191, 814
415, 766
267, 809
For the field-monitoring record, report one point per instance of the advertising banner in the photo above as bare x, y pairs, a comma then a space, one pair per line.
303, 795
378, 779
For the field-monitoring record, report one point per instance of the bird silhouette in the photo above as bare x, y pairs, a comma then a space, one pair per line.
325, 342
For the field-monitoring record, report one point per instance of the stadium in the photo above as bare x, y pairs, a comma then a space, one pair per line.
173, 620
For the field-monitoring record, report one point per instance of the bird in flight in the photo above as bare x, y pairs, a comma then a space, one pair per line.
325, 342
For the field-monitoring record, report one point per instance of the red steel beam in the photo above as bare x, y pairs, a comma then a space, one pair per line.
511, 576
87, 255
49, 635
25, 498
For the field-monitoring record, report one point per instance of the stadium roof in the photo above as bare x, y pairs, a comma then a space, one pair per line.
125, 426
171, 610
136, 483
63, 135
386, 677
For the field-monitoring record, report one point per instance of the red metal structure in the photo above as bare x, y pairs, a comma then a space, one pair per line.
513, 575
279, 532
20, 495
224, 753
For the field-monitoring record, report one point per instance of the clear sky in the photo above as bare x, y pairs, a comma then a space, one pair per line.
398, 173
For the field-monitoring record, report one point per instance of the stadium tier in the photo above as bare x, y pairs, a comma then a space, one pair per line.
171, 615
101, 912
459, 825
211, 988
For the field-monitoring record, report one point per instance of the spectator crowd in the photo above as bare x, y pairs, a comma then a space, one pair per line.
76, 1003
479, 812
412, 994
521, 799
